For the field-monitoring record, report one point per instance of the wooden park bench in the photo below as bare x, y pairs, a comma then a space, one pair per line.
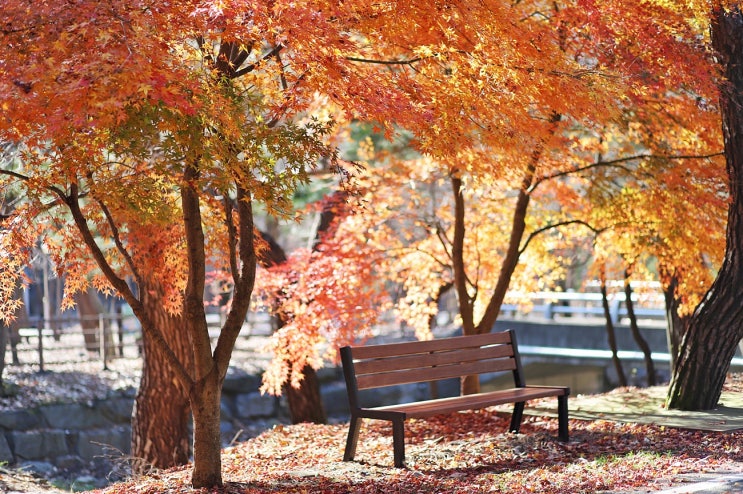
376, 366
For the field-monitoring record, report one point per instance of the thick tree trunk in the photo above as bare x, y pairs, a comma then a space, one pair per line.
160, 436
641, 342
716, 326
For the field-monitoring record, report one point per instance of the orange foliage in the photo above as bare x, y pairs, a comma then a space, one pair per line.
148, 129
330, 296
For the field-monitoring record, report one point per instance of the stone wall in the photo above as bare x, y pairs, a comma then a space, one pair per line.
91, 439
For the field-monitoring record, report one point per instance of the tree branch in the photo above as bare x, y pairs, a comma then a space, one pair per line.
244, 283
54, 190
538, 231
123, 288
618, 164
119, 244
250, 68
231, 235
385, 62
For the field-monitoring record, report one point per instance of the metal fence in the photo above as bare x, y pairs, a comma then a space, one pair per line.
109, 336
581, 304
64, 340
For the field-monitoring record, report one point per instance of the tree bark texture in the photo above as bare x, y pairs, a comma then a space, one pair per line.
205, 403
305, 402
716, 326
160, 436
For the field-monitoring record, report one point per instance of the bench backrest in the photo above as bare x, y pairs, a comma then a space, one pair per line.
421, 361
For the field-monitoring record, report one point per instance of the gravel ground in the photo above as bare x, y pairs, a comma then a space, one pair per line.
77, 382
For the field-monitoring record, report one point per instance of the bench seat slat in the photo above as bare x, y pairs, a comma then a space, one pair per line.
408, 347
434, 373
472, 402
428, 360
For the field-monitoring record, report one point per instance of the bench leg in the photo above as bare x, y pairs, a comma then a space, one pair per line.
516, 416
398, 442
353, 438
562, 415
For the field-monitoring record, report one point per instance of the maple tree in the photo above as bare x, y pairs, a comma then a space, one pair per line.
555, 174
147, 132
323, 295
330, 295
714, 328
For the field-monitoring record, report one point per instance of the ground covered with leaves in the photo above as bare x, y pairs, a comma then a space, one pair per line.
459, 453
464, 452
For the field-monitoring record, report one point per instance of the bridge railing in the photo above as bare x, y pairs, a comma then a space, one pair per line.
585, 304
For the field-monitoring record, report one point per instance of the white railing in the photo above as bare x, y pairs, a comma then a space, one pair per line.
584, 304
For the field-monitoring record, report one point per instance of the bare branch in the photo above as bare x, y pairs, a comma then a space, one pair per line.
551, 226
618, 163
410, 61
119, 244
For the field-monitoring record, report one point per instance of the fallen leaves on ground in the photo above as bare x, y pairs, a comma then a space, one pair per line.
459, 453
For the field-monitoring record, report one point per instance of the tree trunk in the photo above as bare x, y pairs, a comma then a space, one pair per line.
647, 354
716, 326
471, 384
305, 402
90, 308
205, 403
20, 321
3, 344
610, 333
160, 436
468, 384
9, 333
675, 324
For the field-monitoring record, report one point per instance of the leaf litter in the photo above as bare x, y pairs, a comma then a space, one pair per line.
462, 453
459, 453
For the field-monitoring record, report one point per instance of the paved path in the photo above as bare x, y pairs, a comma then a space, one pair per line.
729, 483
644, 405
